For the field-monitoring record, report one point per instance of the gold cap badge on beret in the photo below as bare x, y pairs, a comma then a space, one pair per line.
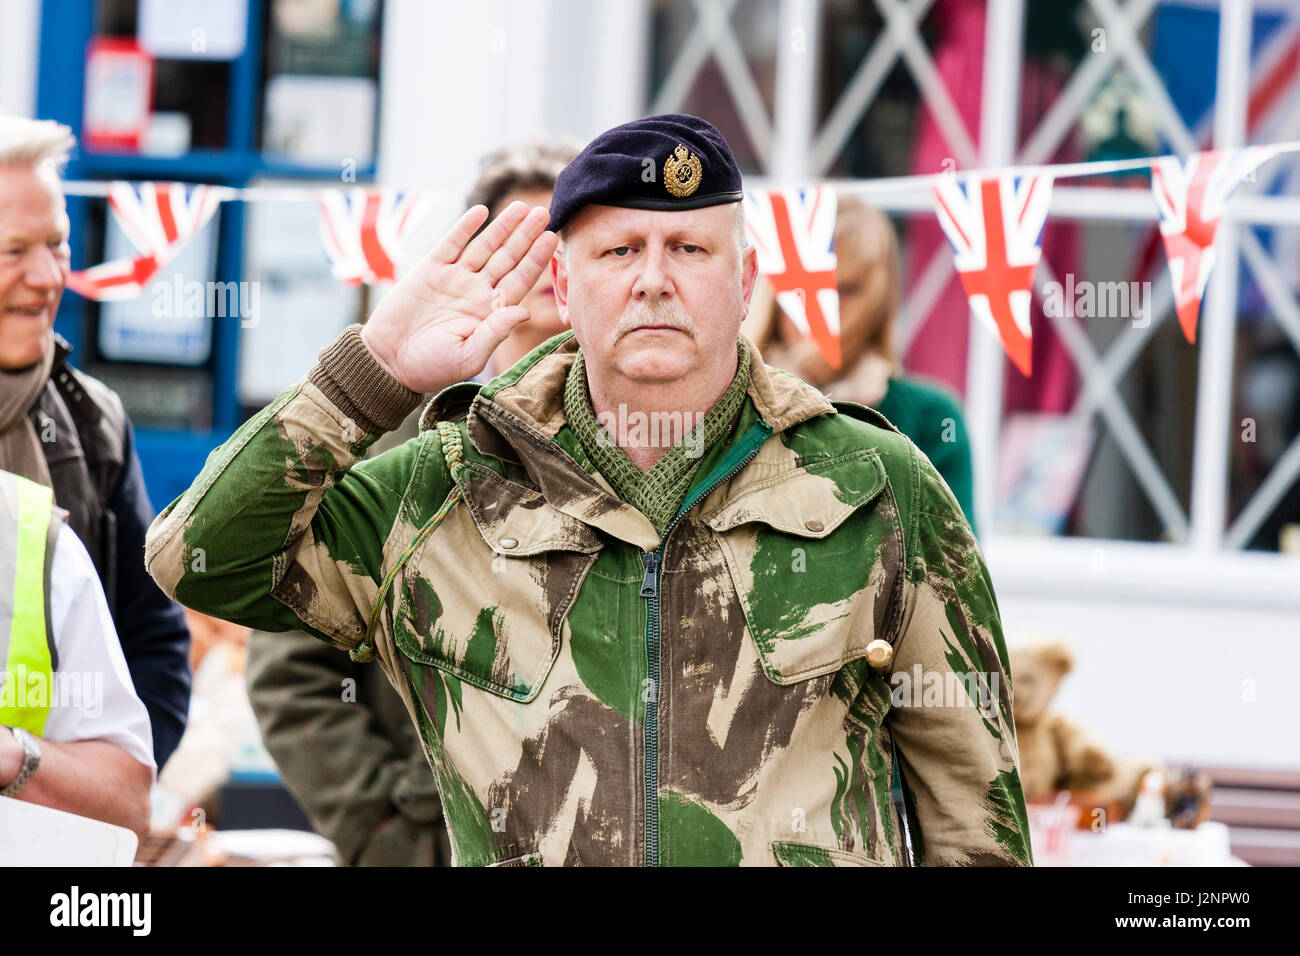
682, 172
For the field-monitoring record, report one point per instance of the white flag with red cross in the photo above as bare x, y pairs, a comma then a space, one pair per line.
995, 225
158, 219
793, 232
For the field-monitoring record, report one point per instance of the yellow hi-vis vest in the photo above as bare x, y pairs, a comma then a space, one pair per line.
29, 525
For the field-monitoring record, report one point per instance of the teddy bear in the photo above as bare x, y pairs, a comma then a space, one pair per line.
1055, 754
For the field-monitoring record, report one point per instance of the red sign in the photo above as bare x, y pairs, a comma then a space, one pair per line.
119, 94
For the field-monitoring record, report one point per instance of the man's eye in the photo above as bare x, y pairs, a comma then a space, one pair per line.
687, 247
621, 251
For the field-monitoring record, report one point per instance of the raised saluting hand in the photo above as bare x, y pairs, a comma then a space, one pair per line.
442, 321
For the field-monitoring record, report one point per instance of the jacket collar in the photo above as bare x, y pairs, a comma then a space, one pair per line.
532, 392
514, 417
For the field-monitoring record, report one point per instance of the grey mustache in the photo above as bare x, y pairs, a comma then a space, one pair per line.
660, 313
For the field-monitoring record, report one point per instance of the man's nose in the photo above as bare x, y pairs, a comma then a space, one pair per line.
45, 270
653, 280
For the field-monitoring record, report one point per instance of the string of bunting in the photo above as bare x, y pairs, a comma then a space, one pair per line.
993, 219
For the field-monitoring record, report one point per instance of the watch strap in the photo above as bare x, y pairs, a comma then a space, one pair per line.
31, 760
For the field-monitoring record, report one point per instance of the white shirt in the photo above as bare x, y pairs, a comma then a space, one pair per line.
93, 697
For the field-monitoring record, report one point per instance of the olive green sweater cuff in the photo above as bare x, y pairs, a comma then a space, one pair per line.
360, 387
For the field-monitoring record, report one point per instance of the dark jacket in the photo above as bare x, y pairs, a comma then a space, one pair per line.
96, 476
347, 750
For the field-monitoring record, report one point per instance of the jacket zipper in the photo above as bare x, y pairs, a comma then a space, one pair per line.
650, 591
747, 447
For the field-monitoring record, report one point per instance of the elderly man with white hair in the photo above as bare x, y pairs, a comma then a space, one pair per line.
66, 431
74, 736
647, 600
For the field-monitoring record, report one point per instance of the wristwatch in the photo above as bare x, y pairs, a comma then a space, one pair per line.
31, 760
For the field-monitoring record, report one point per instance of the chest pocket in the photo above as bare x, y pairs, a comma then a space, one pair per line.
486, 594
816, 559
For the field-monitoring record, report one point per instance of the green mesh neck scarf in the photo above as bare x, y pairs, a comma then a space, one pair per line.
659, 492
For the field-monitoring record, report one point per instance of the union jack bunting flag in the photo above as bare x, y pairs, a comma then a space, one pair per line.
793, 232
1271, 106
995, 226
1191, 197
116, 280
158, 218
362, 231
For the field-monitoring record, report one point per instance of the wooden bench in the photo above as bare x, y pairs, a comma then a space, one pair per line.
1262, 811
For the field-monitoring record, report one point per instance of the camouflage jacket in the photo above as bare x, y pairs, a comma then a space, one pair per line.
587, 693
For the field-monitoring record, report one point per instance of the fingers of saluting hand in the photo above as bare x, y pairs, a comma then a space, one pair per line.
516, 283
510, 253
491, 239
451, 244
516, 245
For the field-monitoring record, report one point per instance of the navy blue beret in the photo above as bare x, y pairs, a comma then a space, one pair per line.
671, 161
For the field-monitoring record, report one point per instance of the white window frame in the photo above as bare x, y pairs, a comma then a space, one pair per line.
797, 153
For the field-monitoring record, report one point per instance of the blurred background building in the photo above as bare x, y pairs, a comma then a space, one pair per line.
1138, 496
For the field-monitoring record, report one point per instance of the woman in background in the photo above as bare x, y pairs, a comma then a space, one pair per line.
870, 288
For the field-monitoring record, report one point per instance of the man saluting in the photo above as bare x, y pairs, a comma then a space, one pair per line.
647, 599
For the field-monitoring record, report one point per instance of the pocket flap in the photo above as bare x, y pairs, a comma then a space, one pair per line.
494, 621
813, 600
807, 854
516, 521
528, 859
810, 501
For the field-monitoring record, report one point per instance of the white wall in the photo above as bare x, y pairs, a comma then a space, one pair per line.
1176, 656
20, 22
462, 79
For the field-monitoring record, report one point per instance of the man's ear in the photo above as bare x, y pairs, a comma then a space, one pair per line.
750, 274
560, 284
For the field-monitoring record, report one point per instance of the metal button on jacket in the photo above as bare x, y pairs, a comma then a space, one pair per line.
880, 654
